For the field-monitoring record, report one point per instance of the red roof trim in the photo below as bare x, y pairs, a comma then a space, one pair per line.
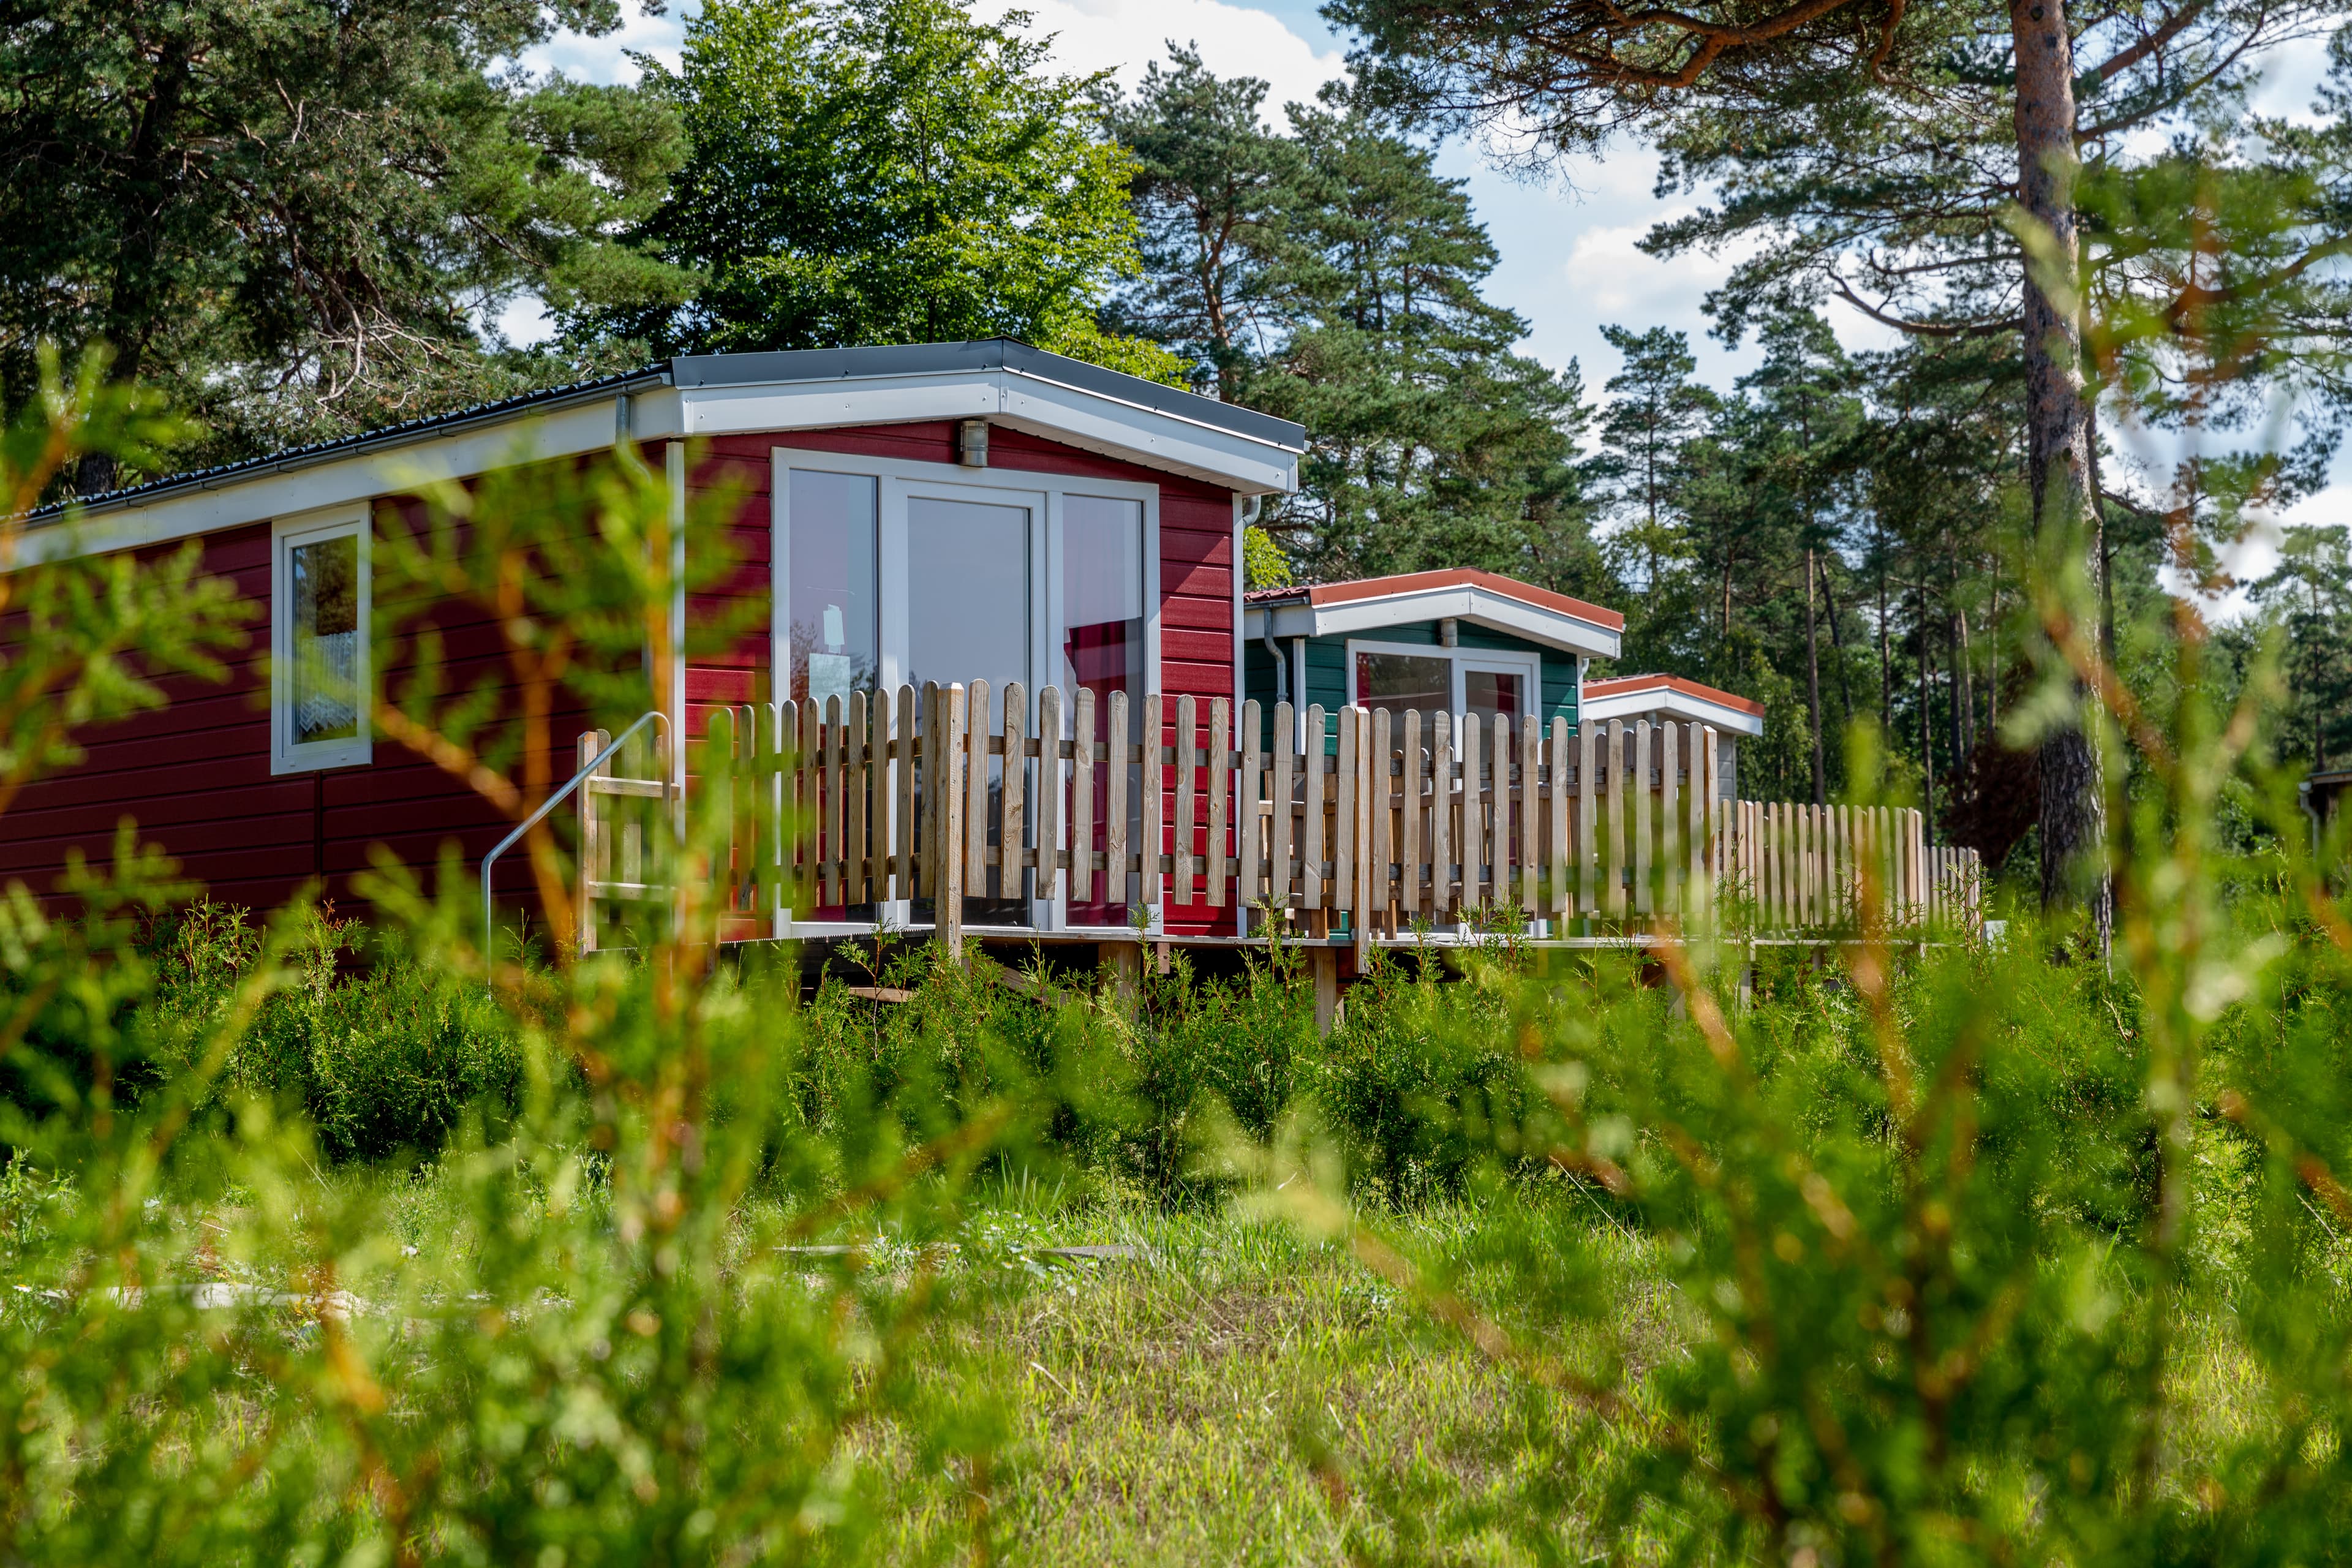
1620, 685
1323, 594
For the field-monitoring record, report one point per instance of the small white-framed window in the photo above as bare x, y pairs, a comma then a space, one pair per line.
318, 665
1494, 683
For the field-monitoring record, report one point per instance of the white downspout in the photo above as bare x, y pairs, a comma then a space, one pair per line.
674, 455
1298, 685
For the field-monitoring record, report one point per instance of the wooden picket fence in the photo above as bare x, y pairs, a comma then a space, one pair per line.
1387, 823
1802, 867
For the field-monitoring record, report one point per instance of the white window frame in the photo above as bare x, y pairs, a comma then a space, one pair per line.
287, 534
1527, 667
898, 480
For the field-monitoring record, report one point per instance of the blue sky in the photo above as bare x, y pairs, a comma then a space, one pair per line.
1569, 258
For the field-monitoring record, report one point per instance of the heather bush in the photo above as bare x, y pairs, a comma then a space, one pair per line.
382, 1053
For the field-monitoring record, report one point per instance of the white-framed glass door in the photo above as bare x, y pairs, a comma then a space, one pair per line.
962, 588
1100, 582
1504, 689
961, 569
889, 572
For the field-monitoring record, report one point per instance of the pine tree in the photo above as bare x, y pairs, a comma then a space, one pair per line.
1432, 444
290, 218
1655, 409
1331, 276
1211, 190
1927, 153
1806, 392
2309, 596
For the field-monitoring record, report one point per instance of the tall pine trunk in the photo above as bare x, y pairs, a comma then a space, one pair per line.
1886, 655
1837, 642
2058, 436
149, 174
1964, 662
1813, 682
1926, 674
1956, 720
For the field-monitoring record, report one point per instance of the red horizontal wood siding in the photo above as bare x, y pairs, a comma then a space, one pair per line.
193, 777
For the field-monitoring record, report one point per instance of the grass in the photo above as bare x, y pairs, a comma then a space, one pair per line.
1202, 1399
1216, 1398
1231, 1387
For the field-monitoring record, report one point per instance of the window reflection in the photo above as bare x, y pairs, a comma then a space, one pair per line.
1397, 681
326, 639
1102, 652
968, 619
1492, 697
831, 563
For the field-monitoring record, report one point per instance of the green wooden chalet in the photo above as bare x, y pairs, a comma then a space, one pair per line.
1456, 642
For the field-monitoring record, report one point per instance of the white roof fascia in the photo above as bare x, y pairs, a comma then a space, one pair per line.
1073, 416
1290, 620
244, 499
1666, 703
1095, 423
1475, 604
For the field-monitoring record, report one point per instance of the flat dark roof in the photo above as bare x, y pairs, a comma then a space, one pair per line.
744, 370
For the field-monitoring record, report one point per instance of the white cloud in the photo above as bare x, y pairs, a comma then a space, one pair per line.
2291, 77
1571, 260
1125, 36
606, 59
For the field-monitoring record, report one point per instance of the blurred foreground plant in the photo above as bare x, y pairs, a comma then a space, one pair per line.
1988, 1255
656, 1320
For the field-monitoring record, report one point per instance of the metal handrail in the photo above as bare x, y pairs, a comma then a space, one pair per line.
490, 925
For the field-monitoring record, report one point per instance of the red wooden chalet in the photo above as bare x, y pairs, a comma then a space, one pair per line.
939, 511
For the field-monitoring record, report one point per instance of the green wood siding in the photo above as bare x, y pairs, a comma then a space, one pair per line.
1327, 667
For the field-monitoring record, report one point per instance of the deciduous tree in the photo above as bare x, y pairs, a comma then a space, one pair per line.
883, 172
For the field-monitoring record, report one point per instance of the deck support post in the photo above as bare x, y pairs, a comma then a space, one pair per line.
1323, 960
1124, 961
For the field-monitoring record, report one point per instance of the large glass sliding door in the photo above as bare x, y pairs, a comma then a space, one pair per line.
828, 564
1103, 652
832, 640
901, 575
967, 612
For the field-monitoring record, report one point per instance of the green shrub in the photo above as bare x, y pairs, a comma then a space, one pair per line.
384, 1055
1418, 1069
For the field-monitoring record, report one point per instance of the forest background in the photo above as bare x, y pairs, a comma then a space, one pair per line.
309, 221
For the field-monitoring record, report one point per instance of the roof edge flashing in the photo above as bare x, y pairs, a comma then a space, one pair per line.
785, 367
1480, 607
389, 439
1001, 357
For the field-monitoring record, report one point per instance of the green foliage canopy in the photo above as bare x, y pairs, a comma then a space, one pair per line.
881, 172
1330, 274
292, 218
